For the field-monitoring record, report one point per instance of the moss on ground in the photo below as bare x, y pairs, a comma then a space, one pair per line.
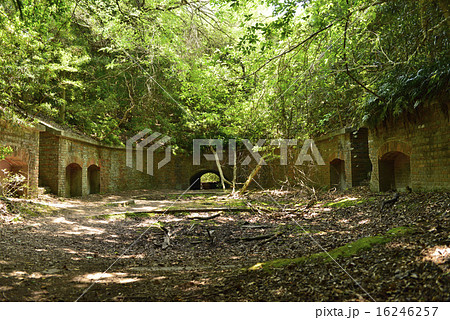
34, 209
124, 215
347, 250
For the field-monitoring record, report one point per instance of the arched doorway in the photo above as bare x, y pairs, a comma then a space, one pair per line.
14, 174
205, 179
394, 171
337, 174
94, 179
73, 180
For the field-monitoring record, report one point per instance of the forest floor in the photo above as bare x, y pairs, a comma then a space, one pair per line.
118, 248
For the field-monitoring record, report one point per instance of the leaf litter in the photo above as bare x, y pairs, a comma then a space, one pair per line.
168, 257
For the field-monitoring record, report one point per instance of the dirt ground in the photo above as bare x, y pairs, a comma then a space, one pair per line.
117, 248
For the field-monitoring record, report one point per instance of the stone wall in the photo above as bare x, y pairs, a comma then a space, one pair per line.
412, 151
24, 140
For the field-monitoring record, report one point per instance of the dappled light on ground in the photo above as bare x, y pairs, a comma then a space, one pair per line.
437, 254
177, 256
114, 277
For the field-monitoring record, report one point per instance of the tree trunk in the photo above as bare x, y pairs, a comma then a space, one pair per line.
219, 167
252, 175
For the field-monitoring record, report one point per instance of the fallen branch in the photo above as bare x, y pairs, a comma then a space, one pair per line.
271, 238
223, 209
205, 217
261, 237
257, 226
254, 208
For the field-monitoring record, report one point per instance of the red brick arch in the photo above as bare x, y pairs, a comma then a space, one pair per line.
391, 146
336, 155
92, 161
74, 159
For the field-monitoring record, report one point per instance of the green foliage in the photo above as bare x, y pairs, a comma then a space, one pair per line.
223, 68
210, 177
4, 151
406, 92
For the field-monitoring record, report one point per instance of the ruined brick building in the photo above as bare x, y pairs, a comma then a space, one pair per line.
407, 152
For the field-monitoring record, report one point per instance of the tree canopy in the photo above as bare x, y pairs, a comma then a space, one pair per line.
221, 68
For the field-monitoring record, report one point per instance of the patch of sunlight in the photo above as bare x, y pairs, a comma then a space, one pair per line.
70, 251
343, 221
99, 275
23, 274
4, 262
57, 205
344, 202
113, 277
365, 221
62, 220
128, 280
84, 230
99, 221
437, 254
147, 223
36, 275
5, 288
18, 273
110, 241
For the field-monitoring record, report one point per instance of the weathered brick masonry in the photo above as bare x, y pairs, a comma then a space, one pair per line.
404, 153
412, 151
24, 140
73, 165
346, 156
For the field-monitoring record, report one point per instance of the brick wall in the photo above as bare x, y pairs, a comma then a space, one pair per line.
423, 139
49, 161
59, 151
346, 156
25, 142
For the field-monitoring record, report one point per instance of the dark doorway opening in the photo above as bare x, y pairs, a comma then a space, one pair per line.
73, 180
205, 179
394, 171
337, 174
94, 179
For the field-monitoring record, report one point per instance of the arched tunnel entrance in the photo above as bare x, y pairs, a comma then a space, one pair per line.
337, 174
94, 179
394, 171
205, 179
73, 180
